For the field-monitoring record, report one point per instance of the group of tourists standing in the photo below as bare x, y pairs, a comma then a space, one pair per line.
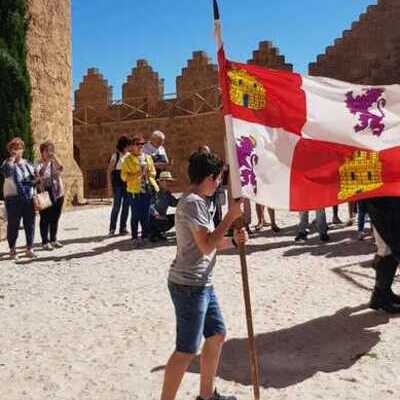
30, 188
139, 181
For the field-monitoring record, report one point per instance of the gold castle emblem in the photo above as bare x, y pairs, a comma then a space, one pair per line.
362, 173
246, 91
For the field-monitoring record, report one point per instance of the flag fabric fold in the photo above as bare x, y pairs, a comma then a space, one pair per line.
301, 143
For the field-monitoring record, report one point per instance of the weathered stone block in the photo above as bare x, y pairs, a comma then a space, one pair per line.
49, 64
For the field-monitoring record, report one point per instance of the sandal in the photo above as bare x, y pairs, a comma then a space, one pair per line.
258, 227
275, 228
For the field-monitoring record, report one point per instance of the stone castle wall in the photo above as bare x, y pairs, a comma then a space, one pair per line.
191, 119
49, 64
369, 52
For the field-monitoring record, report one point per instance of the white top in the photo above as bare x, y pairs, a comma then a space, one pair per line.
117, 165
21, 171
50, 178
154, 151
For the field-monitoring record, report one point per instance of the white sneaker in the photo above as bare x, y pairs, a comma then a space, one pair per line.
47, 246
57, 244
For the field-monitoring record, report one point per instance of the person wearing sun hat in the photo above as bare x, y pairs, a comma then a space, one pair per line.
160, 220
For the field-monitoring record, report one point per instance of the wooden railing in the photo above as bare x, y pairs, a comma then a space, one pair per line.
191, 103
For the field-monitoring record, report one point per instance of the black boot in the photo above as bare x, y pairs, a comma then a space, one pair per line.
395, 298
382, 297
382, 301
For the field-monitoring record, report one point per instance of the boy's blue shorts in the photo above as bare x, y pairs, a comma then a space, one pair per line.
197, 314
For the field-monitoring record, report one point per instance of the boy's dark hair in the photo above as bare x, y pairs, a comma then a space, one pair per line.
123, 143
202, 165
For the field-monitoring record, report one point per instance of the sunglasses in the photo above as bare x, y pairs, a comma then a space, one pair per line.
138, 144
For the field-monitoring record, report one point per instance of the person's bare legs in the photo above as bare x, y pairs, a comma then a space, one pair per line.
260, 216
176, 367
351, 213
209, 361
335, 219
274, 226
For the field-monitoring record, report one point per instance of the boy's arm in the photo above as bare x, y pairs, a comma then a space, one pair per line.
208, 241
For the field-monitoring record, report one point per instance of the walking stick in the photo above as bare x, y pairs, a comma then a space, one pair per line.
249, 318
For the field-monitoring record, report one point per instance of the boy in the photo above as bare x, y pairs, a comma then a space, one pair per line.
189, 282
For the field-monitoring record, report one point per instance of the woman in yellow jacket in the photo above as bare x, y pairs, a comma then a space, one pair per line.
138, 171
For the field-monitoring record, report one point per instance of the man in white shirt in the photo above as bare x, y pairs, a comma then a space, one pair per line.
155, 149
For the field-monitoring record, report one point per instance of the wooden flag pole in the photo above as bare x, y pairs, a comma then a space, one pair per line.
249, 320
242, 252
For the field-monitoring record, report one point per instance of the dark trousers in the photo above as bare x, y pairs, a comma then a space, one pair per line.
121, 200
17, 209
49, 219
140, 212
362, 213
161, 225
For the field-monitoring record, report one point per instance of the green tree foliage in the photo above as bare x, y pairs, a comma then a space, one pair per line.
15, 89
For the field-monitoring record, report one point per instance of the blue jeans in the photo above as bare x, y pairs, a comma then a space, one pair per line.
121, 198
361, 216
17, 209
140, 212
197, 314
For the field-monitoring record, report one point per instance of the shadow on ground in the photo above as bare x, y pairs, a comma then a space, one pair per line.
293, 355
341, 244
124, 245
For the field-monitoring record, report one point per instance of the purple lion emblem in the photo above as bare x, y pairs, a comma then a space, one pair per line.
361, 105
248, 159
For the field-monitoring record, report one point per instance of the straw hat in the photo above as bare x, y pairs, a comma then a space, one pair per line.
166, 176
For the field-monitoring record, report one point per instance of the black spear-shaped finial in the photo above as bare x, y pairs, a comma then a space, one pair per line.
216, 10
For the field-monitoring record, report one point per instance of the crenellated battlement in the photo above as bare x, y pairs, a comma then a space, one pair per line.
190, 118
144, 89
369, 52
268, 56
93, 91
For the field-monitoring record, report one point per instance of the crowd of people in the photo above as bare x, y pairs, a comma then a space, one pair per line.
139, 180
29, 188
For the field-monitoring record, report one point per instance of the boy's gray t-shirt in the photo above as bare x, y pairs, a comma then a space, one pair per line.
191, 267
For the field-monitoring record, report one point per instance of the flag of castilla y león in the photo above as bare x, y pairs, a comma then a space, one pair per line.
301, 143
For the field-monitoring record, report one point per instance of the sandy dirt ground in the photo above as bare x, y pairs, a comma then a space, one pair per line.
94, 319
